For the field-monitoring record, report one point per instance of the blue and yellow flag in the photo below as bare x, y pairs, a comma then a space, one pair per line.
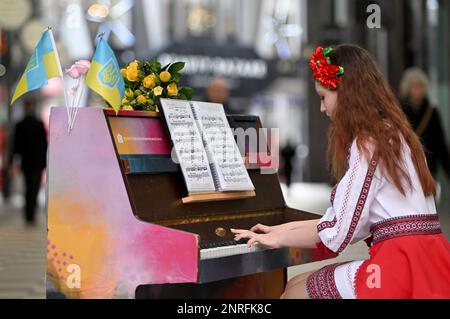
104, 75
43, 65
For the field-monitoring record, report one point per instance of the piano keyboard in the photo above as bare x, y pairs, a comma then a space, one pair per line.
229, 248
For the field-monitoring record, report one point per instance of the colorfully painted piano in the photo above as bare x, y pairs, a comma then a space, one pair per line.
117, 227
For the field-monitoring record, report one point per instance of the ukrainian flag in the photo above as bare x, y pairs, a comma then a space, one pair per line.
43, 65
104, 75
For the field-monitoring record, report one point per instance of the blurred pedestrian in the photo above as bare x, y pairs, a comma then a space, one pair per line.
30, 143
425, 119
288, 154
218, 91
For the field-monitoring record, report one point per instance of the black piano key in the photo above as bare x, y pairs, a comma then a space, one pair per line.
215, 244
242, 241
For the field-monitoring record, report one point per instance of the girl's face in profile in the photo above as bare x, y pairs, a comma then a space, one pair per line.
328, 100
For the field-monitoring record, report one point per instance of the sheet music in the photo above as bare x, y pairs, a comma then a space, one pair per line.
227, 166
188, 145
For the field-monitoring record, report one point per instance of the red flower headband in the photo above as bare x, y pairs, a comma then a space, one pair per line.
326, 73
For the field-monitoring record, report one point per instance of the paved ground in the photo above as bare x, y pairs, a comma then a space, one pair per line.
22, 255
22, 249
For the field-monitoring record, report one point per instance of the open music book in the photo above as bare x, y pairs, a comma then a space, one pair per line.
205, 147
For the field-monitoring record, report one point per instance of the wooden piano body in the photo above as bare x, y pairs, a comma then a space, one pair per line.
117, 231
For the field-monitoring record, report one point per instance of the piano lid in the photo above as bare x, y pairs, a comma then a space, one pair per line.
155, 194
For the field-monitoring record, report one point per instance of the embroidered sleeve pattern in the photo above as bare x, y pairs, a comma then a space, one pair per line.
347, 180
360, 205
350, 203
326, 223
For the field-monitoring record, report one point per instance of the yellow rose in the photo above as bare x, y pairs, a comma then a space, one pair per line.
158, 91
132, 75
172, 89
134, 64
154, 77
133, 72
149, 82
124, 100
165, 76
141, 99
129, 93
123, 72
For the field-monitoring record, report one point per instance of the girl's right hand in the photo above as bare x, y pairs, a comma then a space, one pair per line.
260, 228
267, 239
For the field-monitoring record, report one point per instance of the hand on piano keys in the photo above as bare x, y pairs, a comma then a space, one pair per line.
227, 248
268, 236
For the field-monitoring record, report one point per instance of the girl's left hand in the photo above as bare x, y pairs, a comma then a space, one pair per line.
269, 240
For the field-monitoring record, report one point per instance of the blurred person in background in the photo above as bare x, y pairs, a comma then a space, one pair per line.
425, 119
30, 144
288, 154
218, 91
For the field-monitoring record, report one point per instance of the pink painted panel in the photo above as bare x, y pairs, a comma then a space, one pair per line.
92, 231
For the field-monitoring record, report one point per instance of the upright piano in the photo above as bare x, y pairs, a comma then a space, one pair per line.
118, 227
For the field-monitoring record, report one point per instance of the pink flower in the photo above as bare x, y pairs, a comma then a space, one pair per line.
80, 67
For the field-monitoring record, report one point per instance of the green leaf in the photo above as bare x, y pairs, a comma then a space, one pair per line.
175, 77
176, 67
187, 92
165, 67
155, 65
327, 51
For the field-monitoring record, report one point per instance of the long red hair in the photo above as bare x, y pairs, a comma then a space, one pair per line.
368, 110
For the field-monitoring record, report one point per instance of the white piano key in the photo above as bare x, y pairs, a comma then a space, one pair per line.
223, 251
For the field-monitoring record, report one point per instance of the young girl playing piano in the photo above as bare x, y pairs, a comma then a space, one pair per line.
385, 193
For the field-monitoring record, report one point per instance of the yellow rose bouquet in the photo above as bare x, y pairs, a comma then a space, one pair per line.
147, 81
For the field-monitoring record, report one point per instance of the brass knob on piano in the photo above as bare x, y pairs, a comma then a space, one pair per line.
221, 232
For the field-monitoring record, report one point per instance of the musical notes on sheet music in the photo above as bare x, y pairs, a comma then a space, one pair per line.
205, 146
226, 162
188, 145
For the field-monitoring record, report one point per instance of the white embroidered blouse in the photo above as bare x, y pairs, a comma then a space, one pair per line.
364, 197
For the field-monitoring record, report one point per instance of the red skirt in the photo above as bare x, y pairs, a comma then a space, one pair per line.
406, 261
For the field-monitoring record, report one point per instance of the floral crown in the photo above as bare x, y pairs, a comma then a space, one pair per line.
326, 73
